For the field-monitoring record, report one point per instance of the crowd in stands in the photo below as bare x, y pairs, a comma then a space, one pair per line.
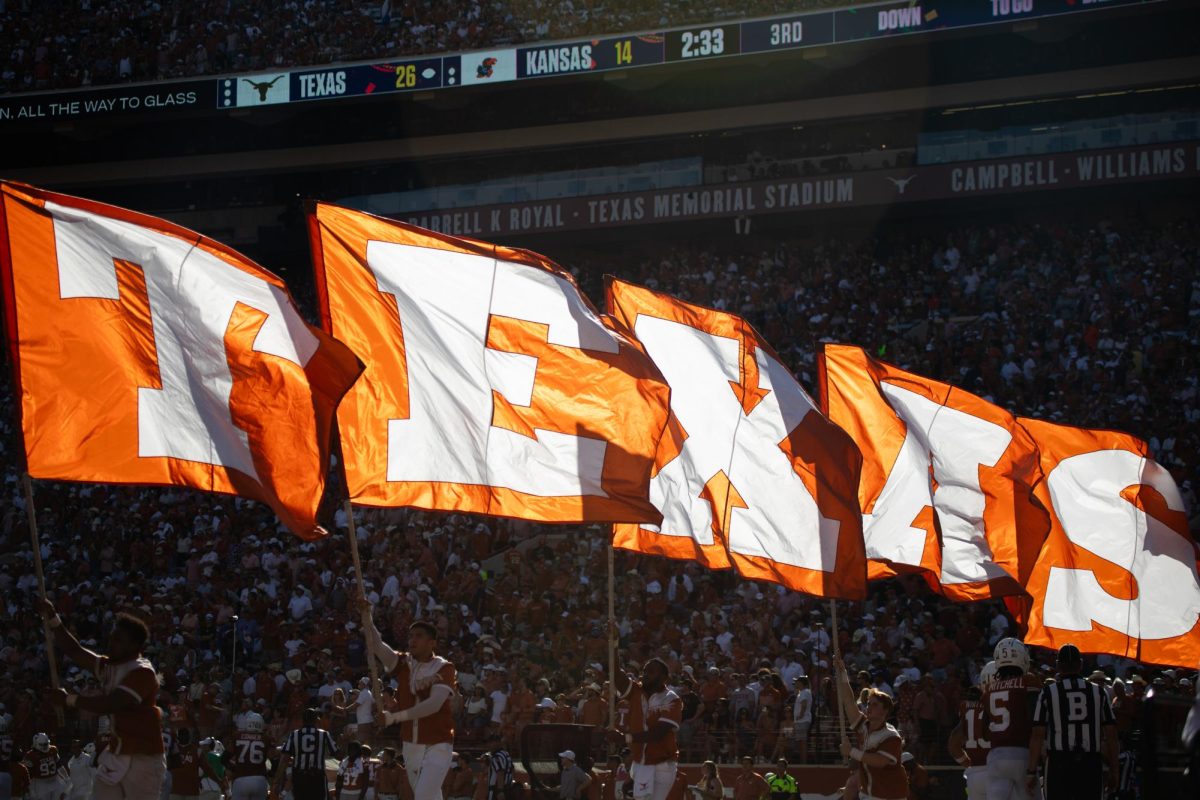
58, 44
1096, 325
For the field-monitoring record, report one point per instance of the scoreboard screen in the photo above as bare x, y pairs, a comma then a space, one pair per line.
628, 51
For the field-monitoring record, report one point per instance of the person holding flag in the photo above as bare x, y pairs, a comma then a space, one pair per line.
425, 690
133, 765
655, 713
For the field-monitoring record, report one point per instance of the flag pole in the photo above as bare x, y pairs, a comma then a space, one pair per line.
837, 689
51, 655
372, 666
612, 641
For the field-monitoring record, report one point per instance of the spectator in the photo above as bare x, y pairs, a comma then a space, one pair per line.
709, 786
749, 785
802, 716
573, 781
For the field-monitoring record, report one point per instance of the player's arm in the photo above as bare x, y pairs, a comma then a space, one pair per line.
886, 755
127, 696
331, 745
66, 642
1109, 745
285, 761
1037, 738
955, 745
659, 732
375, 644
439, 693
621, 680
845, 693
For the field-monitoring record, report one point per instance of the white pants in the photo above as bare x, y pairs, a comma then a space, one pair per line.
249, 787
976, 778
653, 781
1006, 773
47, 788
142, 781
427, 766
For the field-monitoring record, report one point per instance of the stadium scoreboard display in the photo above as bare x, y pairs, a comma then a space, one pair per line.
629, 51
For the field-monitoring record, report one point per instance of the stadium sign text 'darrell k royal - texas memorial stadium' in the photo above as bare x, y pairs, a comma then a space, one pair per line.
780, 195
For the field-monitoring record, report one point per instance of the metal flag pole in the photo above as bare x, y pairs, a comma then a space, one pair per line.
51, 655
612, 641
837, 686
372, 665
233, 655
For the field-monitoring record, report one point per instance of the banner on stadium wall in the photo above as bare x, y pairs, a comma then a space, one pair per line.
847, 190
107, 101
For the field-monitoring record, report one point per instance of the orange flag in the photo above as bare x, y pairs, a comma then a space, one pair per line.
1118, 572
147, 353
491, 386
947, 477
754, 475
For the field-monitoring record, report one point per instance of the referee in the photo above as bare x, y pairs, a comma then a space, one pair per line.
305, 750
1073, 722
500, 769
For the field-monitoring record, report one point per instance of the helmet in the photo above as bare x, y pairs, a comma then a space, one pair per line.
41, 743
987, 674
1011, 652
214, 744
89, 750
253, 722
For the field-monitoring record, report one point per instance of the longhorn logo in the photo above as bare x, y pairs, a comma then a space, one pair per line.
263, 87
901, 183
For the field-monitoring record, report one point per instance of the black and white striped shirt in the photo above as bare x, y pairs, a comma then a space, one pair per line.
1074, 712
309, 747
500, 771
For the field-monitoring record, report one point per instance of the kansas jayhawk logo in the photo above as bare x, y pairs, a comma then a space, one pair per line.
484, 70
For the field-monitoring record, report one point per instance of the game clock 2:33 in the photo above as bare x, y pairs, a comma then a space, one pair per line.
707, 42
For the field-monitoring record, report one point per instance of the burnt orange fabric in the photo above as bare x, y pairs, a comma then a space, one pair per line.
1014, 522
817, 451
1118, 525
615, 397
81, 361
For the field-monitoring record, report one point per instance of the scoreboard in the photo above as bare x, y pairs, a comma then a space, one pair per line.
629, 51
